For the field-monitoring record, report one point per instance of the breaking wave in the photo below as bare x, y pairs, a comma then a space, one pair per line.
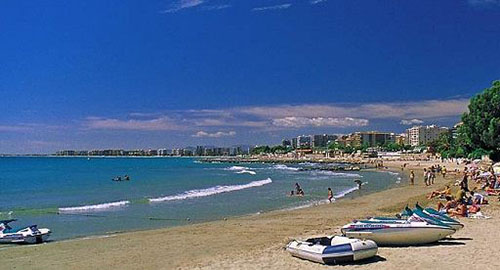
284, 167
247, 171
236, 168
211, 191
93, 207
347, 191
336, 196
338, 174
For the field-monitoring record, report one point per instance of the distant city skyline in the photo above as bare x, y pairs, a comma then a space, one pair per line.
176, 73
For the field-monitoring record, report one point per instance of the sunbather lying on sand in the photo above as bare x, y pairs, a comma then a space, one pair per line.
476, 198
444, 192
460, 211
450, 204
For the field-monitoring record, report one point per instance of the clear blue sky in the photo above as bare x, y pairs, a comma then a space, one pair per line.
168, 73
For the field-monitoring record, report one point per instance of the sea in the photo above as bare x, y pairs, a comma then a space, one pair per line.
76, 197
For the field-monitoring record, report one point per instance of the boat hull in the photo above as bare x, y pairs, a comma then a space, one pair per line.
454, 225
399, 234
19, 238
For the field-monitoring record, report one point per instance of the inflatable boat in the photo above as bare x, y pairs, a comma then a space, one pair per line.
407, 233
332, 250
27, 235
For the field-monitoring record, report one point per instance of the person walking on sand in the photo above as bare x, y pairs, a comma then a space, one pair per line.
330, 195
412, 178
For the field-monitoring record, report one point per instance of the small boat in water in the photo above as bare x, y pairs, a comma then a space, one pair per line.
119, 178
332, 250
27, 235
390, 233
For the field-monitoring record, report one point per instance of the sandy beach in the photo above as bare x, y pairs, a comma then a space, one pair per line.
257, 242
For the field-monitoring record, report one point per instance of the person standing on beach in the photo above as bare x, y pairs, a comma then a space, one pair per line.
432, 175
330, 195
412, 178
426, 175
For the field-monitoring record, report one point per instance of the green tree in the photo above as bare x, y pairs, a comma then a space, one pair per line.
392, 147
481, 125
261, 149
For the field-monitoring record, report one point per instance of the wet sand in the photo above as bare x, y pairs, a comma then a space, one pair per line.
256, 242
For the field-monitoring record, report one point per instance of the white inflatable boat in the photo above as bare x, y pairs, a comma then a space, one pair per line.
333, 250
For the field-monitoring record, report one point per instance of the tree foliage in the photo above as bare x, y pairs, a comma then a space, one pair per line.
266, 149
481, 125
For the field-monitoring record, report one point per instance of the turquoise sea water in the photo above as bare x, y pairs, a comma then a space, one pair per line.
75, 197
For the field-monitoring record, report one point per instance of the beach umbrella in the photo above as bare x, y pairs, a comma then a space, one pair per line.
496, 167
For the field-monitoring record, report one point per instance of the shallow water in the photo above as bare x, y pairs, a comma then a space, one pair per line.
75, 197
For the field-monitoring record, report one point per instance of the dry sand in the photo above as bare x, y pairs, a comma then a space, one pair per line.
256, 242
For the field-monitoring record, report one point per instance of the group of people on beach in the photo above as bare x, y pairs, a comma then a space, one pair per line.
468, 201
430, 173
300, 192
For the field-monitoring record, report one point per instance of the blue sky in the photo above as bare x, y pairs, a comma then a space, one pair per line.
170, 73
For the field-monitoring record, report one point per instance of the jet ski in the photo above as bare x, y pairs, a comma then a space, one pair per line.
436, 214
28, 235
413, 231
419, 214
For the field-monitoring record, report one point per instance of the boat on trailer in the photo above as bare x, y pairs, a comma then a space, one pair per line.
333, 250
28, 235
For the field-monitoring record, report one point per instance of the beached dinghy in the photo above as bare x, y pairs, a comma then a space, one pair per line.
28, 235
411, 232
332, 250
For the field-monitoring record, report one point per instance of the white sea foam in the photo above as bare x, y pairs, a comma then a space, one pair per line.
284, 167
211, 191
336, 196
93, 207
236, 168
392, 173
307, 205
343, 193
247, 171
338, 174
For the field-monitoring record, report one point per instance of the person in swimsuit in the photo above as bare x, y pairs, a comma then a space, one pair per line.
330, 195
412, 177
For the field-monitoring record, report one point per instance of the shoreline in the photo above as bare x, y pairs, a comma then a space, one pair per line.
193, 221
232, 221
257, 241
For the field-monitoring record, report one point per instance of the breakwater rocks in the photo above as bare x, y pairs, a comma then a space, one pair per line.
310, 164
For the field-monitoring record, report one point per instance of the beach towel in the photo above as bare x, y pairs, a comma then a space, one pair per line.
478, 215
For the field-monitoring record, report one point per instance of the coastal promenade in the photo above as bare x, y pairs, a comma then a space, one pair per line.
256, 242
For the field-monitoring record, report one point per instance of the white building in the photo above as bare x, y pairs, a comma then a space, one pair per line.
422, 135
